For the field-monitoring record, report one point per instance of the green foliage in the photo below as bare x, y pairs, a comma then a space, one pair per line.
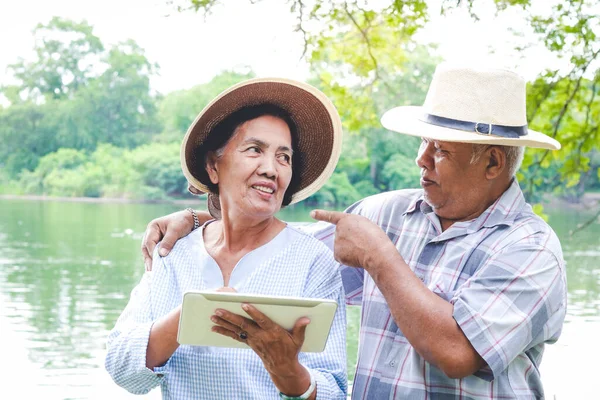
83, 121
75, 94
149, 172
65, 57
337, 190
401, 172
179, 109
565, 104
539, 210
158, 169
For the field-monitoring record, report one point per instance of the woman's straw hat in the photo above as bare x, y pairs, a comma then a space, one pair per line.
318, 128
471, 105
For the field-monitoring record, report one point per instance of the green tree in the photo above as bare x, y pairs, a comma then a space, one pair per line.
117, 107
178, 109
66, 55
366, 45
75, 95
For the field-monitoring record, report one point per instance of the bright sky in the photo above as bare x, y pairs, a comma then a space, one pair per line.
191, 50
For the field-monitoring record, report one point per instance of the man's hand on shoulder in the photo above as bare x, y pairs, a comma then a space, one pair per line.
167, 229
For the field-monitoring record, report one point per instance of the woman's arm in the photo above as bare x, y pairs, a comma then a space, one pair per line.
127, 342
135, 341
162, 342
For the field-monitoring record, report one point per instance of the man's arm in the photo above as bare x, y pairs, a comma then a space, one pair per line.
425, 319
168, 230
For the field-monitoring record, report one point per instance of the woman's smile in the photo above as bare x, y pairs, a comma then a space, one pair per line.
266, 190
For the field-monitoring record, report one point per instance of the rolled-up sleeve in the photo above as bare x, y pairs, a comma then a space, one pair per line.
515, 301
127, 342
329, 367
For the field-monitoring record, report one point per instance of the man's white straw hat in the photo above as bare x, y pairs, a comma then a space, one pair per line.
471, 105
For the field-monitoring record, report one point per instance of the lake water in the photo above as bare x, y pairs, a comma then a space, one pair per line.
66, 271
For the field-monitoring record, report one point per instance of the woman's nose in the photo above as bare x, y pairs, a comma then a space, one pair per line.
268, 167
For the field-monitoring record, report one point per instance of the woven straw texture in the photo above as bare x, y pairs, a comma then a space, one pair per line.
319, 131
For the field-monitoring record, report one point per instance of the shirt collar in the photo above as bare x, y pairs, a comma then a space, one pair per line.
503, 211
412, 207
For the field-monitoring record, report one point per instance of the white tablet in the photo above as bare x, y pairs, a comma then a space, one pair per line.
195, 324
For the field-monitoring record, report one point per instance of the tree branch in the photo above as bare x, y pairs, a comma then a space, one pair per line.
544, 97
365, 36
585, 224
538, 163
300, 28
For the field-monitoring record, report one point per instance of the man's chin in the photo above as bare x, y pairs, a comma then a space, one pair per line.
431, 200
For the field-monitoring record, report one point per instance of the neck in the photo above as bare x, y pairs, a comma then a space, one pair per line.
239, 233
494, 192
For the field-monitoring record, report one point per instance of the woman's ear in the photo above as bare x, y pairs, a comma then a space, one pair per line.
211, 168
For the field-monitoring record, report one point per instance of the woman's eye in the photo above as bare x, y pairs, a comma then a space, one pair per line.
254, 149
285, 157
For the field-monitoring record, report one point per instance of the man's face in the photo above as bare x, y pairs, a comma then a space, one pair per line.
452, 186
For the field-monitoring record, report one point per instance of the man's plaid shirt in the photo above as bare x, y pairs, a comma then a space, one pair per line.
503, 272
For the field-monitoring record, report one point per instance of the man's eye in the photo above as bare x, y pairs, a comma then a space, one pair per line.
254, 149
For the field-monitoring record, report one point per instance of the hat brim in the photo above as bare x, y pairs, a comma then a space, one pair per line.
406, 120
318, 124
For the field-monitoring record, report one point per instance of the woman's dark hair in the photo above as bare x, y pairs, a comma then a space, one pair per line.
223, 132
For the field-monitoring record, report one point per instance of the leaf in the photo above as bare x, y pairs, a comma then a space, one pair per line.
538, 209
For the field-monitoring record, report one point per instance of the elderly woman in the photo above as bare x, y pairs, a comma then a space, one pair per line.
260, 145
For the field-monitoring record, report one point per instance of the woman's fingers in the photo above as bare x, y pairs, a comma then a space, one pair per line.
261, 319
226, 289
299, 330
244, 323
226, 332
226, 324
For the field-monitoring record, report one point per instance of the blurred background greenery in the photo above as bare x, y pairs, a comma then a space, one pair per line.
80, 118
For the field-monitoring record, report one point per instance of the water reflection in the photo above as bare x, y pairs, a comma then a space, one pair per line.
66, 270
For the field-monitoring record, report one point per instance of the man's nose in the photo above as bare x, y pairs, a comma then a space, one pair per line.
424, 159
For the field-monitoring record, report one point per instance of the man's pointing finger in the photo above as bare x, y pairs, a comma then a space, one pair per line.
333, 217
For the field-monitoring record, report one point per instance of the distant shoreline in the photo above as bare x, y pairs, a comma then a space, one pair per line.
588, 201
107, 200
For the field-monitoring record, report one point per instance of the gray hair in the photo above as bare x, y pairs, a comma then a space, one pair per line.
514, 156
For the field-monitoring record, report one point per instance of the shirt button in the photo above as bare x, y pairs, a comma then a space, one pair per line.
392, 363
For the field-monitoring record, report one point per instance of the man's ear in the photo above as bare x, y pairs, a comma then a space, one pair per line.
211, 167
496, 158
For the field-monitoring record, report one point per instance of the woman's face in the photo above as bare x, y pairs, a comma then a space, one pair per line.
255, 168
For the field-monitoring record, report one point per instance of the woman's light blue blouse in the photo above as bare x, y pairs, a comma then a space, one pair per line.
292, 264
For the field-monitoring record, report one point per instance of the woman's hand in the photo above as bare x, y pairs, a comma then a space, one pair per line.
226, 289
277, 348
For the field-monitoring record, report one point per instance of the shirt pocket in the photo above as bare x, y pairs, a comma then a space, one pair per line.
393, 357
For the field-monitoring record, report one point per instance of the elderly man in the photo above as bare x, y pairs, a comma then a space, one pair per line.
461, 284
